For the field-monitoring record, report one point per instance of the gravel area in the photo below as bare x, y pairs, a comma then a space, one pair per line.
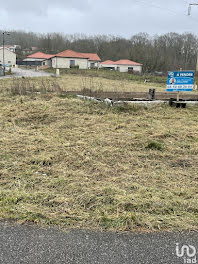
19, 73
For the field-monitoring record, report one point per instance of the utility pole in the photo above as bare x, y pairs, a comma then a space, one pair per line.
190, 6
197, 64
189, 13
4, 33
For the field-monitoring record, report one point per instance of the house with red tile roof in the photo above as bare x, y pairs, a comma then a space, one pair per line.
93, 60
39, 58
108, 64
69, 58
122, 65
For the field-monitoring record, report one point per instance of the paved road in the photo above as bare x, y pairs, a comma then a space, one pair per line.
18, 73
29, 244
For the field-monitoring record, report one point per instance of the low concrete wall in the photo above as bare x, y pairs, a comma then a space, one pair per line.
135, 95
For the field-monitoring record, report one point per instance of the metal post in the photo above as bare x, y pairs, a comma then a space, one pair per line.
177, 96
189, 7
197, 63
189, 13
7, 33
178, 93
3, 55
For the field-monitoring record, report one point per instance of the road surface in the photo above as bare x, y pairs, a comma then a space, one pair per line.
18, 73
29, 244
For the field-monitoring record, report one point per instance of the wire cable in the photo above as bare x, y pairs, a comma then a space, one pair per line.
165, 8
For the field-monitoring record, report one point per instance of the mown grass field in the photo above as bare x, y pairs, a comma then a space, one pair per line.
75, 163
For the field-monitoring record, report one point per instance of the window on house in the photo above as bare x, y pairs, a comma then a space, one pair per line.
92, 65
72, 63
9, 61
130, 69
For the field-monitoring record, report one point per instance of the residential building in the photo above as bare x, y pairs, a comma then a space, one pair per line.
39, 58
123, 66
108, 65
9, 57
69, 58
34, 48
128, 66
93, 60
12, 48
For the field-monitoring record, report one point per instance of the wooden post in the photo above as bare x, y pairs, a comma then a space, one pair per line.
178, 93
151, 95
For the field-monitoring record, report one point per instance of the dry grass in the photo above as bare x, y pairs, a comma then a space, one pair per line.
78, 82
85, 80
81, 164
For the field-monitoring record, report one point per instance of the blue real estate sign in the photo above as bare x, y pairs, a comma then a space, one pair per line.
180, 81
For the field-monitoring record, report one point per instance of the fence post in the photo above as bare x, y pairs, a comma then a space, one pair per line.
151, 95
57, 73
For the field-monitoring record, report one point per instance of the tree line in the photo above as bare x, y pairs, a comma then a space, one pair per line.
165, 52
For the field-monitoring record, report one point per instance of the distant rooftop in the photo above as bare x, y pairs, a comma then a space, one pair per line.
127, 62
71, 54
108, 62
74, 54
121, 62
92, 56
40, 55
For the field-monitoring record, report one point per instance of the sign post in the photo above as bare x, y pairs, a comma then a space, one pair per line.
180, 81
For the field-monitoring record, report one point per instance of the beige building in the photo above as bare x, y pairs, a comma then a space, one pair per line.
12, 48
108, 65
39, 58
123, 66
69, 58
93, 60
9, 57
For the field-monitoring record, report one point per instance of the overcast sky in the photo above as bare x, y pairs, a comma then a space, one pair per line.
117, 17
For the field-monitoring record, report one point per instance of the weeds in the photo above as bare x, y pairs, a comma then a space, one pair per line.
156, 145
25, 86
80, 164
127, 108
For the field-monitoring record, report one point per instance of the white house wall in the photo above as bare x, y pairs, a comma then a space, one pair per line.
137, 68
10, 57
47, 62
33, 59
96, 64
64, 63
107, 66
124, 68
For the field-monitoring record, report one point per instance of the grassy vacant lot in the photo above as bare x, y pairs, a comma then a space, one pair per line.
75, 80
72, 163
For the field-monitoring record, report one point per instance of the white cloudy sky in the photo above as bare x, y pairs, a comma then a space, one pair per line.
118, 17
